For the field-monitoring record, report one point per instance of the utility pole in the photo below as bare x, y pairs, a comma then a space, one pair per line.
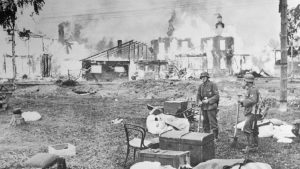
292, 65
283, 72
13, 51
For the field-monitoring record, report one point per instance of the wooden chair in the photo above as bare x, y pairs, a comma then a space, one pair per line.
135, 138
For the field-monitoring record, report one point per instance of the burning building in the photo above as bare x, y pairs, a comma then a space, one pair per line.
211, 53
215, 54
171, 48
116, 62
219, 51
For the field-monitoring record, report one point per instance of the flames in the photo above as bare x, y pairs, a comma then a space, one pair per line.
191, 26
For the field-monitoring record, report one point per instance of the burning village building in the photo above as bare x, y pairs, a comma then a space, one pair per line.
30, 62
118, 62
214, 54
38, 56
135, 60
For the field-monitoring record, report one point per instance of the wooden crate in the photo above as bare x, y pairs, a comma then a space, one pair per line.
175, 107
165, 157
200, 145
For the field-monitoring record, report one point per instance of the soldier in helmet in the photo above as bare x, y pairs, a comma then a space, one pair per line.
249, 102
208, 99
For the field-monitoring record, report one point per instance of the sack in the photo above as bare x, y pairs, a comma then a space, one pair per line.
266, 131
283, 131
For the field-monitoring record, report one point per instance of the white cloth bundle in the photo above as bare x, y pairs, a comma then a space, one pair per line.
157, 124
150, 165
31, 116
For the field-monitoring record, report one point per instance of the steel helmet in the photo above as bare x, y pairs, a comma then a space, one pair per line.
204, 74
249, 77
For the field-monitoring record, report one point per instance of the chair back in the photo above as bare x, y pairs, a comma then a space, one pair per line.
134, 131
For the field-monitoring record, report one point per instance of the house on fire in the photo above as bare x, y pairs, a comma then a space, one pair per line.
26, 66
219, 51
120, 62
181, 53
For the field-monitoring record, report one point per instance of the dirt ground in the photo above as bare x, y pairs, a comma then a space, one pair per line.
84, 120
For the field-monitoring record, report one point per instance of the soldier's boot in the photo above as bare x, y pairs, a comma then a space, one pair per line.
255, 141
216, 134
249, 147
206, 129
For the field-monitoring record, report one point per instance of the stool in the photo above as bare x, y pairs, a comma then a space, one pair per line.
45, 160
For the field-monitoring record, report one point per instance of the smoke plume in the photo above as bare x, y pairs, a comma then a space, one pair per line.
171, 22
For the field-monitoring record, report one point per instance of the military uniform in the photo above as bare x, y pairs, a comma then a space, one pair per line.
208, 90
249, 103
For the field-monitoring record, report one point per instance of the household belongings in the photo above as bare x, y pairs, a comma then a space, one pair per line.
150, 165
45, 160
275, 128
165, 157
31, 116
157, 122
232, 164
175, 107
200, 145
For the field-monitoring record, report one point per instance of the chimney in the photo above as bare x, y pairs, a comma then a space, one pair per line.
119, 43
119, 52
61, 34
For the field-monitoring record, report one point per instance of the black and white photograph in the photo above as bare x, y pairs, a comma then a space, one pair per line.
149, 84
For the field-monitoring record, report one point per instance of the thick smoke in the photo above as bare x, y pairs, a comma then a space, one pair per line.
104, 44
171, 24
250, 24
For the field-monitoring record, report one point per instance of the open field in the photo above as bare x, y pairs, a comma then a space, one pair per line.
85, 121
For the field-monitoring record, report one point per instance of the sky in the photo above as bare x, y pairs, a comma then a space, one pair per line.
251, 22
255, 21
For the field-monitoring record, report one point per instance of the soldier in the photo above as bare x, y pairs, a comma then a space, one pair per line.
208, 99
250, 104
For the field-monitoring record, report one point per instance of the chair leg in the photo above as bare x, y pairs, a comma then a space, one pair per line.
128, 150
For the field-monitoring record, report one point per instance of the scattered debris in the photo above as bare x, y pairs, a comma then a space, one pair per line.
24, 77
261, 74
17, 118
59, 81
86, 89
65, 149
69, 83
116, 121
294, 103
